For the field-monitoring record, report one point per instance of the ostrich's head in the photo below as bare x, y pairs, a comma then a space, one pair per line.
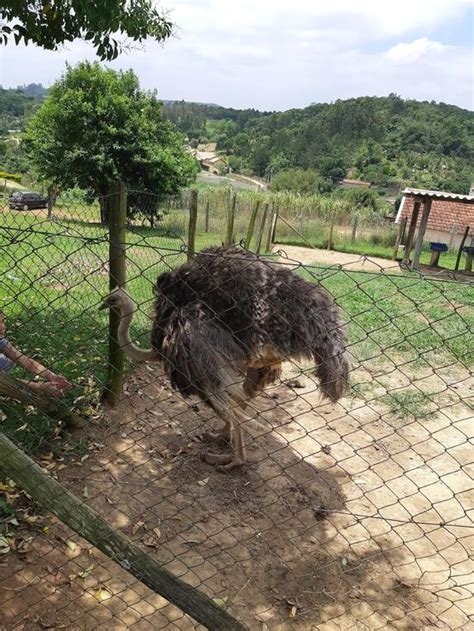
120, 300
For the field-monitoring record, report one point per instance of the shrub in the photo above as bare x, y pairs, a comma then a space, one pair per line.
14, 177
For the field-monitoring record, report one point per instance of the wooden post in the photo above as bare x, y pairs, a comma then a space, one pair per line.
421, 232
54, 408
229, 237
193, 213
331, 230
268, 245
398, 240
250, 229
458, 259
258, 244
206, 216
355, 221
117, 274
274, 226
411, 231
87, 523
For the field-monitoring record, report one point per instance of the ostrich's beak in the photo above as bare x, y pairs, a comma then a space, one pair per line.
104, 305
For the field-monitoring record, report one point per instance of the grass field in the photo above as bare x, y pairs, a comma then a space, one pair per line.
54, 274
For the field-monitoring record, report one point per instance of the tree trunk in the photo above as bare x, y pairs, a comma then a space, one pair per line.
52, 196
104, 209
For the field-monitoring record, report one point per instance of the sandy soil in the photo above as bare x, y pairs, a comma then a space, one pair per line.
345, 518
313, 256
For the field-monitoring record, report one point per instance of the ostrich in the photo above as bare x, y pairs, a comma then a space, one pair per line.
223, 324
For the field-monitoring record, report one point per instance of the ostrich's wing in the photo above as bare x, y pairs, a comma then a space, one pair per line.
201, 357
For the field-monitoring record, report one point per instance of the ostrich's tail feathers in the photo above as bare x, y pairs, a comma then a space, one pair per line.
333, 366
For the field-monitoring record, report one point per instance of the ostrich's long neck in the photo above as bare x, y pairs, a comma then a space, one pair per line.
123, 335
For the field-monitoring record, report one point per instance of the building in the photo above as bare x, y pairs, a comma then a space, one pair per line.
348, 183
208, 158
450, 215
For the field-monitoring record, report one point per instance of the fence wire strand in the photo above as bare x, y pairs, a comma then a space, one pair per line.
349, 515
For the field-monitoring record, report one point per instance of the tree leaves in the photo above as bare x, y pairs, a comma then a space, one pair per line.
50, 27
96, 127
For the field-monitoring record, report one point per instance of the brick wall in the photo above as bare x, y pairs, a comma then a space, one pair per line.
444, 215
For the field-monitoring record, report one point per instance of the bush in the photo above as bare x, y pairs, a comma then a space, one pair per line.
14, 177
302, 181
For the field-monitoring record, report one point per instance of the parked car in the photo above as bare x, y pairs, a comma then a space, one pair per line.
26, 200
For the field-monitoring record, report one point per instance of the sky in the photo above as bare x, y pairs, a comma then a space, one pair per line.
280, 54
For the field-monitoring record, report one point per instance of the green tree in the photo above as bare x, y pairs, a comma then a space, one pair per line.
97, 127
362, 198
50, 24
303, 181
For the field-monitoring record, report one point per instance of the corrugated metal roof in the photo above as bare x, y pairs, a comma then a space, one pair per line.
438, 194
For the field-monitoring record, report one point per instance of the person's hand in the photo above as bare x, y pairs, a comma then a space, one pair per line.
60, 382
50, 389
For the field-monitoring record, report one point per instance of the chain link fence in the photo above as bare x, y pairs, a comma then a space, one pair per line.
348, 515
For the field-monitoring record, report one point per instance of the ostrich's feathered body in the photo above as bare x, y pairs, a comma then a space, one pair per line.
228, 314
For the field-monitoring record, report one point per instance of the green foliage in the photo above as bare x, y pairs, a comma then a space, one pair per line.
383, 140
50, 25
14, 177
362, 198
303, 181
97, 127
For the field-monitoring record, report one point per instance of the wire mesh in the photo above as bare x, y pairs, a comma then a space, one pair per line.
350, 515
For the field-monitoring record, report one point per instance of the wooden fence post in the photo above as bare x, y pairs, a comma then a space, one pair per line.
206, 216
331, 230
229, 237
193, 213
268, 245
411, 232
276, 214
458, 258
398, 240
250, 229
421, 232
117, 275
261, 229
355, 222
71, 510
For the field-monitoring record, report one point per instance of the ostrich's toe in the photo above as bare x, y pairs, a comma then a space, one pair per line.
222, 462
205, 434
216, 459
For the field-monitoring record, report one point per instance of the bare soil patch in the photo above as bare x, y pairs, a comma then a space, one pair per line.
345, 518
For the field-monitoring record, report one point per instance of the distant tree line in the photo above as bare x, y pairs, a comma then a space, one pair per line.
379, 139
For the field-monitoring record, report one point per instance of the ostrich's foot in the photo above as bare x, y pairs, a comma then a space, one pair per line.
223, 462
205, 434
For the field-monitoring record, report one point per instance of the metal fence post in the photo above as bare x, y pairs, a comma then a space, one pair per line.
117, 276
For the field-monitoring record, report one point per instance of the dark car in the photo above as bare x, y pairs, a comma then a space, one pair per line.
23, 200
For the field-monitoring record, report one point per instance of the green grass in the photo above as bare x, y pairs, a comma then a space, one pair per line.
409, 404
54, 275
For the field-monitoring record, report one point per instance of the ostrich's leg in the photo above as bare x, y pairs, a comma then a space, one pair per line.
233, 418
223, 434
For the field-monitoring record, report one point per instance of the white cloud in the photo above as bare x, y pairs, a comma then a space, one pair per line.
276, 54
414, 51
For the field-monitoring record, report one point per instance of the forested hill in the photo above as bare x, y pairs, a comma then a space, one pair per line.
18, 104
380, 139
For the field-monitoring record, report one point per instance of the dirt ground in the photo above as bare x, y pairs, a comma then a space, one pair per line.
345, 518
312, 256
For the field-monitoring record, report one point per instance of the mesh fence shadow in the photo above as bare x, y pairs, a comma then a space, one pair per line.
355, 514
